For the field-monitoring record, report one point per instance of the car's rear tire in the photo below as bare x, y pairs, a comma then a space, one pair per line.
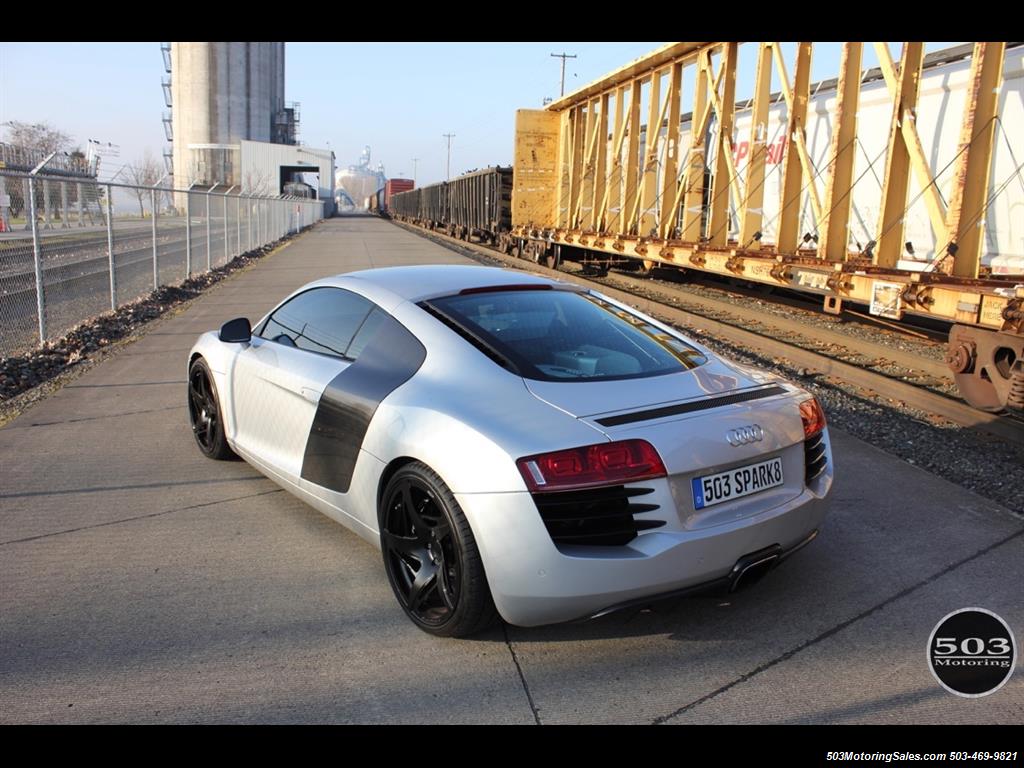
204, 412
431, 556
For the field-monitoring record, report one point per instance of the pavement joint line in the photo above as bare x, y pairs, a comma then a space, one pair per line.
127, 384
104, 488
141, 517
97, 418
834, 630
522, 677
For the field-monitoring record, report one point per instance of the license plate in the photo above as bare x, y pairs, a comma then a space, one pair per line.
736, 483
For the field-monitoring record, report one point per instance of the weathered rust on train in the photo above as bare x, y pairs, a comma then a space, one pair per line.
902, 197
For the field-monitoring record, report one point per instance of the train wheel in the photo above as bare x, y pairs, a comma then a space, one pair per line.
553, 257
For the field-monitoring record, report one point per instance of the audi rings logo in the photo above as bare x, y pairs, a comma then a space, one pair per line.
745, 435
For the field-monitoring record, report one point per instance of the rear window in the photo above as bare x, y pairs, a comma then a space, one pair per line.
559, 335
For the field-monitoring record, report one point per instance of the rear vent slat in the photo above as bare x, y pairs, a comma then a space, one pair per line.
591, 512
574, 499
601, 516
815, 460
646, 525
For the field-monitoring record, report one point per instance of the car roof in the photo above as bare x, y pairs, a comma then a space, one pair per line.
423, 281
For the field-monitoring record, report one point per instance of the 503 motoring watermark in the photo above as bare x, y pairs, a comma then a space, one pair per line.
972, 652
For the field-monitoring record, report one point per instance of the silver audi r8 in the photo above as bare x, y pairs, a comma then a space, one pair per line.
515, 446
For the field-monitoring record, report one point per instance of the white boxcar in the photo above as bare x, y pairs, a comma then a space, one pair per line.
939, 114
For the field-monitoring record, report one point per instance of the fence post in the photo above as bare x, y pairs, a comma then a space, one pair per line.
64, 223
188, 235
238, 223
110, 246
40, 308
5, 214
156, 268
209, 261
47, 213
26, 193
227, 236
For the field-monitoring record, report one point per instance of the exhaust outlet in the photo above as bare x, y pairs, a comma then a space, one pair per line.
751, 568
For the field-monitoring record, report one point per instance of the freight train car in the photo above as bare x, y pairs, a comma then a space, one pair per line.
392, 188
426, 206
899, 189
824, 188
406, 206
477, 204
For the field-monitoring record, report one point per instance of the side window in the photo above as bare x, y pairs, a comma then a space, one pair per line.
322, 320
366, 333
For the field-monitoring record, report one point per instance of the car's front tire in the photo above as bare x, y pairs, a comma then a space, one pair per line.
204, 412
431, 556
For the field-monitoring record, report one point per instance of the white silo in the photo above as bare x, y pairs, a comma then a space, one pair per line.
223, 93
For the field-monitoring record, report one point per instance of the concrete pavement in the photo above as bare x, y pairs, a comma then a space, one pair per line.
144, 583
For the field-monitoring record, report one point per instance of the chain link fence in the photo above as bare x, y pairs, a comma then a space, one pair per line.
71, 249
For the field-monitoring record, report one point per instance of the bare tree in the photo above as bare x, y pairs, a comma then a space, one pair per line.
144, 173
40, 136
256, 182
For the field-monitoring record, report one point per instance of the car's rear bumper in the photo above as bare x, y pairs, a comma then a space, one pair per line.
535, 583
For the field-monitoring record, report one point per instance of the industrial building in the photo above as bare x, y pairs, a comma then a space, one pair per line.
229, 126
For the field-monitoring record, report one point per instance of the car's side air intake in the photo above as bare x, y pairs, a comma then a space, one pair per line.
815, 460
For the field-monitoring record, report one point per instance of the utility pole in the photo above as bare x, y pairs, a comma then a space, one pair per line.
448, 170
414, 161
563, 56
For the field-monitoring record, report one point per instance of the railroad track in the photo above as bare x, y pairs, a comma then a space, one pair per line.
910, 327
796, 331
76, 289
776, 337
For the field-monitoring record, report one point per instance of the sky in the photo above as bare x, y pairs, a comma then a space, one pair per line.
397, 97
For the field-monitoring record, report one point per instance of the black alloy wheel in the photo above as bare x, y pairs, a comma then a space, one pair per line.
431, 557
204, 412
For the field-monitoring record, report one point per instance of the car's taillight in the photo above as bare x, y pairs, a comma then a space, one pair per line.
812, 416
593, 465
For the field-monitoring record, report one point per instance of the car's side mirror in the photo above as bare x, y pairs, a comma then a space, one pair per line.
237, 331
